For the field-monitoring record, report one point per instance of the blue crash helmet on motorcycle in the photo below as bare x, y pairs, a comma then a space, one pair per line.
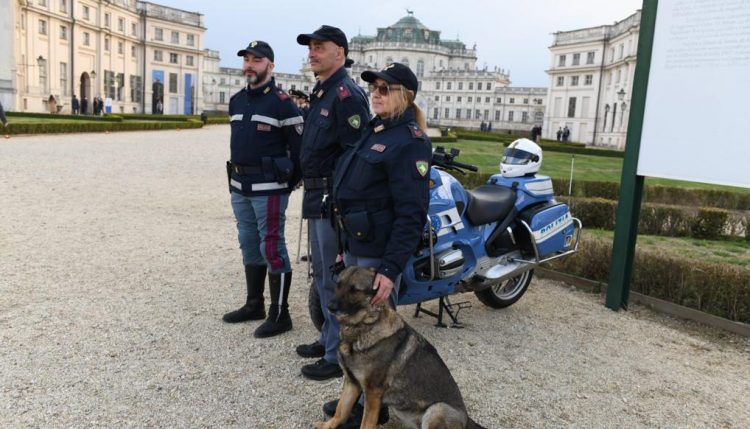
522, 157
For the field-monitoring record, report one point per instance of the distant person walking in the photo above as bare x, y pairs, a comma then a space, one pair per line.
566, 133
559, 134
2, 116
84, 105
75, 105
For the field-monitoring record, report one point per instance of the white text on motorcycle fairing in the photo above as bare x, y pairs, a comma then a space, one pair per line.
553, 227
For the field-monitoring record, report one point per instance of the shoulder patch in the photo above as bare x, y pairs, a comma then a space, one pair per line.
422, 167
342, 91
281, 94
354, 121
416, 132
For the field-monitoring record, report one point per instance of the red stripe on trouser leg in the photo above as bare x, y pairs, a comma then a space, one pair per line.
272, 232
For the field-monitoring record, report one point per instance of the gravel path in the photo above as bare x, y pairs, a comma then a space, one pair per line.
118, 256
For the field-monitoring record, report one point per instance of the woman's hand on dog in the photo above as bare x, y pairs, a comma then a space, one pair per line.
384, 286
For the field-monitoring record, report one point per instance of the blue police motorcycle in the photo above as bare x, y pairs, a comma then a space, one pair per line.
487, 240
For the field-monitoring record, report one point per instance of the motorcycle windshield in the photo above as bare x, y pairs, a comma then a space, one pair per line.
517, 157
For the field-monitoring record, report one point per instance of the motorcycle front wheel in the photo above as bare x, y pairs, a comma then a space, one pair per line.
506, 293
313, 306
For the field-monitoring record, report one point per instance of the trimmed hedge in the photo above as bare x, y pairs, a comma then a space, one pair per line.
91, 127
659, 194
106, 118
576, 150
214, 120
444, 139
150, 117
671, 221
719, 289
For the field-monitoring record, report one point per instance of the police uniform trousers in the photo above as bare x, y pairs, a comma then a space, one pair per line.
260, 228
324, 250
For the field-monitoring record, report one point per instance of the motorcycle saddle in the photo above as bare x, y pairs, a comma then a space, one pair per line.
489, 203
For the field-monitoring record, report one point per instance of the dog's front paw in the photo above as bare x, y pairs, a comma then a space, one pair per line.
323, 425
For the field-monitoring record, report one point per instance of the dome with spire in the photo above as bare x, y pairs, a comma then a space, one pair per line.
409, 21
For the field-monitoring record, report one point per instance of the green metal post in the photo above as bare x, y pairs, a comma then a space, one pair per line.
631, 184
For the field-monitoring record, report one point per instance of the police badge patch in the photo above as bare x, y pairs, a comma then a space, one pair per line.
355, 121
423, 167
299, 128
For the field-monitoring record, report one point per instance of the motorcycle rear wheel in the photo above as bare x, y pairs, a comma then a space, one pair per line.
506, 293
313, 306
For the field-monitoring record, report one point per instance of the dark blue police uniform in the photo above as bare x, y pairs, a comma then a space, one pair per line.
381, 192
266, 136
338, 113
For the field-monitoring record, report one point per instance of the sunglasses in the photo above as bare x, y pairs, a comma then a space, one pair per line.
383, 89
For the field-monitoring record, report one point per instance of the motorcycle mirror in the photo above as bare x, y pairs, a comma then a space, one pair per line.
455, 151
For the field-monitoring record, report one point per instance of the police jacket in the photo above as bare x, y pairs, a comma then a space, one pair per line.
381, 192
266, 136
338, 113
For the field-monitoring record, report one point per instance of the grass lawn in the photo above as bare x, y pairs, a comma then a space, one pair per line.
486, 156
730, 252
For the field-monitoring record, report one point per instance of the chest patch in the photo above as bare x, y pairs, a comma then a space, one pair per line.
422, 167
377, 147
324, 112
264, 127
299, 128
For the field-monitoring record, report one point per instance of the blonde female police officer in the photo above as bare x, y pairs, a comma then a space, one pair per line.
381, 188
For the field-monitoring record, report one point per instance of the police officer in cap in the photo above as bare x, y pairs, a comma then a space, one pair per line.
267, 132
381, 190
381, 185
338, 113
302, 100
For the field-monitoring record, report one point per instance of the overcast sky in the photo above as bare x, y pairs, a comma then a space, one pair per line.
510, 34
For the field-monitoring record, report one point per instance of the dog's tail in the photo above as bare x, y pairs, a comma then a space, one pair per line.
474, 425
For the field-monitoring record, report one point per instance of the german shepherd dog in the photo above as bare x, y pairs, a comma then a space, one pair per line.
394, 365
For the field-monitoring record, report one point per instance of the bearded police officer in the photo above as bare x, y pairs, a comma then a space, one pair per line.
338, 112
266, 135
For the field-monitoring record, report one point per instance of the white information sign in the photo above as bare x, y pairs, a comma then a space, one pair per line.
696, 124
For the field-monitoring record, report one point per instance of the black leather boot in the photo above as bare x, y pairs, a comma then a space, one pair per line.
254, 308
278, 320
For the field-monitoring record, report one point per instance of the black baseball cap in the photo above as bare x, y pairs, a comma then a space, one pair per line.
326, 32
258, 48
394, 73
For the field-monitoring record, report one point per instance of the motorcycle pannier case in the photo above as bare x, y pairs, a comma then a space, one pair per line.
552, 228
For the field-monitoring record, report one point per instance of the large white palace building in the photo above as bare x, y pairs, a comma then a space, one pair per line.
591, 80
453, 91
137, 55
143, 57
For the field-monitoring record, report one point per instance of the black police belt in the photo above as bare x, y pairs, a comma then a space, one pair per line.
313, 183
244, 170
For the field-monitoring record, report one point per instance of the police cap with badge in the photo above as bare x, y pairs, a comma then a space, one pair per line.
326, 33
257, 48
394, 73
